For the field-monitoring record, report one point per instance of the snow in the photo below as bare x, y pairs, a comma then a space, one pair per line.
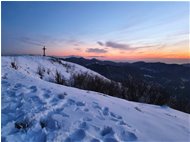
36, 110
29, 65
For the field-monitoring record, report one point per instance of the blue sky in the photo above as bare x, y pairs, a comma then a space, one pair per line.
140, 29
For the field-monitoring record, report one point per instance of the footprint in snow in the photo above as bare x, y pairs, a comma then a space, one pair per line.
122, 123
113, 119
86, 109
115, 115
11, 93
71, 102
107, 131
105, 111
36, 99
127, 136
18, 86
96, 105
39, 136
5, 83
61, 112
53, 121
61, 96
80, 103
108, 134
94, 140
87, 119
54, 101
33, 89
138, 109
77, 135
46, 93
100, 116
110, 140
82, 124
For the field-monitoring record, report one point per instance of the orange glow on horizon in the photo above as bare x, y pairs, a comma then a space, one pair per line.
168, 52
125, 56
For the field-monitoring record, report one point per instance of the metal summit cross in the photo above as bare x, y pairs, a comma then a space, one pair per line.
44, 53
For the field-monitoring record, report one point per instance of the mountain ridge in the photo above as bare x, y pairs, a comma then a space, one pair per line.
170, 79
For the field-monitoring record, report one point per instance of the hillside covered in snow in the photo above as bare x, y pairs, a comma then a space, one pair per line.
36, 108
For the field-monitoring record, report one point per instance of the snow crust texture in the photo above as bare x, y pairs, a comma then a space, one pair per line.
35, 110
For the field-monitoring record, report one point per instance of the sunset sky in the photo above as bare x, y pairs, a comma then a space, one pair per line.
118, 31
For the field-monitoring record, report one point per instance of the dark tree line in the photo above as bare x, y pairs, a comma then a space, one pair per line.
141, 91
95, 83
131, 89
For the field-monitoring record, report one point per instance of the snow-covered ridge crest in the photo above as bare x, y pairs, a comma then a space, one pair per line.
32, 65
34, 110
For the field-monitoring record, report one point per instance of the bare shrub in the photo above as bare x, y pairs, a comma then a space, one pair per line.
59, 79
40, 71
14, 64
23, 125
43, 123
48, 71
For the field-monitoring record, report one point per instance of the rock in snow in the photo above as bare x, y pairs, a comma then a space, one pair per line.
36, 110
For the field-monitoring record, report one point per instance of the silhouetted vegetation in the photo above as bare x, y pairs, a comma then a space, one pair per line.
59, 79
134, 90
22, 124
141, 91
40, 71
95, 83
131, 89
43, 123
14, 64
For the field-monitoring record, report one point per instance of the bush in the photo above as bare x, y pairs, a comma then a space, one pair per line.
23, 125
40, 71
43, 123
14, 64
98, 84
48, 71
59, 78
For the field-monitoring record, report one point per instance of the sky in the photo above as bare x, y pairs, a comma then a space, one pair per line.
117, 31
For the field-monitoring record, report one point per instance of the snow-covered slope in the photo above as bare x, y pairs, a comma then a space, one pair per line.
35, 110
30, 65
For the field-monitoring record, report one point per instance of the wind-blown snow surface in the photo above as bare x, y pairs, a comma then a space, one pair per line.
34, 110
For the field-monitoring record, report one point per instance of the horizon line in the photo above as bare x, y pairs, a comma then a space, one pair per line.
152, 60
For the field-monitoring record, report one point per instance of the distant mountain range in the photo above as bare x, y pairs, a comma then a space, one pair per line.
172, 78
160, 72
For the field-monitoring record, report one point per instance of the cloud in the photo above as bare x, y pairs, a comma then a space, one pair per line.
128, 47
100, 43
117, 45
96, 50
97, 56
